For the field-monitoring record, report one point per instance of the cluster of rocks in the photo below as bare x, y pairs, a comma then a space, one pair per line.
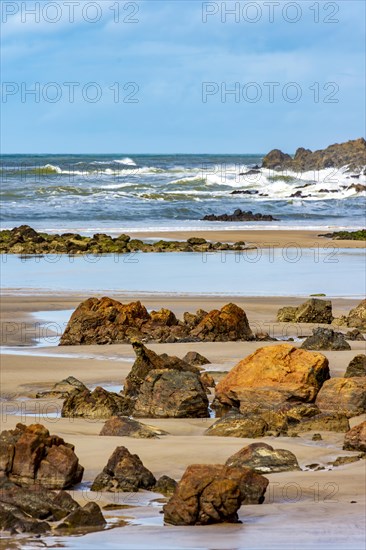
320, 311
25, 240
351, 153
35, 467
239, 216
107, 321
283, 390
158, 386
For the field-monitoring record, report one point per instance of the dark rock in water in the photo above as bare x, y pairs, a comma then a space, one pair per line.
209, 494
352, 153
63, 389
88, 516
341, 460
311, 311
123, 426
356, 367
148, 361
107, 321
196, 241
244, 192
97, 404
29, 454
317, 437
124, 472
326, 339
250, 172
355, 439
264, 337
264, 459
171, 394
355, 335
343, 395
165, 485
239, 216
195, 358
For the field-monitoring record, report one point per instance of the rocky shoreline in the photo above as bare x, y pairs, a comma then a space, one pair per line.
25, 240
351, 154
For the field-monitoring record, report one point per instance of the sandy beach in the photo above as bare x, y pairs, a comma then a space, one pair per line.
314, 505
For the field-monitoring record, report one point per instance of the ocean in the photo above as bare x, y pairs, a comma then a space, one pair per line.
117, 193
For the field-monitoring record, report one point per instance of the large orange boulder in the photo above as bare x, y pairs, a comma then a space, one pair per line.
277, 373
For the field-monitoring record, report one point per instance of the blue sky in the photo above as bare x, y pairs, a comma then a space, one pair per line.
169, 53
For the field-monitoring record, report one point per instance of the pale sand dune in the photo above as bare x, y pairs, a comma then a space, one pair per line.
303, 510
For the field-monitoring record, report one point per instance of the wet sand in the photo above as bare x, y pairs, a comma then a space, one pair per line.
265, 238
303, 510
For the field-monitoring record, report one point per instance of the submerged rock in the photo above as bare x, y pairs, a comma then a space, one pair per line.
29, 455
123, 472
263, 458
209, 494
326, 339
97, 404
356, 367
311, 311
123, 426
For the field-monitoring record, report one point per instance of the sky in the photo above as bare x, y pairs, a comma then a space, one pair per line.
172, 76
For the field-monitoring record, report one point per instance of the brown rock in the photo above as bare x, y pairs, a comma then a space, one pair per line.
343, 395
123, 472
356, 367
63, 389
311, 311
123, 426
281, 369
326, 339
238, 425
355, 438
326, 422
171, 394
147, 361
196, 359
104, 321
165, 485
355, 335
98, 404
357, 316
29, 454
207, 381
228, 323
263, 458
89, 516
213, 494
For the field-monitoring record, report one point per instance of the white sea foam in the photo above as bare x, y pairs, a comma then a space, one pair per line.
127, 161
